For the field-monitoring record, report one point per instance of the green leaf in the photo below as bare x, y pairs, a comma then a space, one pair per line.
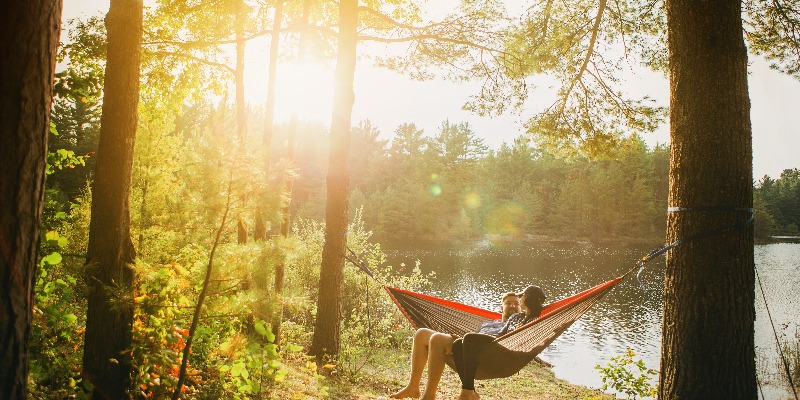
293, 348
53, 129
237, 369
71, 318
224, 368
261, 329
60, 215
52, 259
270, 336
272, 350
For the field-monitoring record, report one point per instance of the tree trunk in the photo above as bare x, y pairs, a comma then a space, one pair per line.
30, 31
286, 213
269, 113
106, 360
241, 108
241, 231
291, 142
329, 304
707, 350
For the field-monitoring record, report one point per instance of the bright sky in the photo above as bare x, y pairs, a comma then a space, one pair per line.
389, 99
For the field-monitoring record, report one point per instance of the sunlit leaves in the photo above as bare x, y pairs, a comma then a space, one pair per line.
773, 30
627, 375
591, 108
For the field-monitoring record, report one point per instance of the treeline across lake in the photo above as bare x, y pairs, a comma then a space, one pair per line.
449, 184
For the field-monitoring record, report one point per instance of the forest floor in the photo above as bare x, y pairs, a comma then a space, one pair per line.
377, 376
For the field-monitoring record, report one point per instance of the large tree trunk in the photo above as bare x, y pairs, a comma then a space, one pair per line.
29, 31
329, 304
106, 360
707, 350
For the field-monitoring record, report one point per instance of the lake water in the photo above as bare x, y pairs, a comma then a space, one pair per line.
629, 315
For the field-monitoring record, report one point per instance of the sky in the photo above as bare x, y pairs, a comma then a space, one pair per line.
389, 99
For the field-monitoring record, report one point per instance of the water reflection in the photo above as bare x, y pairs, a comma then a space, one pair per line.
630, 314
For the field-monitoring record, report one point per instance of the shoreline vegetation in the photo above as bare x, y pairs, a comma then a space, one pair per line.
387, 370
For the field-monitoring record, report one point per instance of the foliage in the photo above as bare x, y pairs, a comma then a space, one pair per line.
59, 312
791, 349
58, 321
773, 30
159, 324
77, 101
777, 203
629, 376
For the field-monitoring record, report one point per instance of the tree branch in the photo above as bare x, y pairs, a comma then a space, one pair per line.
595, 29
421, 37
198, 59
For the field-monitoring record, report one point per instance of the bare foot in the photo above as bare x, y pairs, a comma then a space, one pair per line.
468, 395
405, 393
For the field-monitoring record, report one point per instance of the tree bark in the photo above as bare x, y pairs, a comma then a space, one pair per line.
708, 350
272, 71
329, 304
241, 108
286, 214
106, 359
30, 31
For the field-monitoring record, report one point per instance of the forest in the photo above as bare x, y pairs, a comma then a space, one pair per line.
179, 243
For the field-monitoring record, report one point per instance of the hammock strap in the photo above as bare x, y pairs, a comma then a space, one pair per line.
357, 261
702, 235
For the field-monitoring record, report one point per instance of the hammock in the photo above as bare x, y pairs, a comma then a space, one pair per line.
508, 353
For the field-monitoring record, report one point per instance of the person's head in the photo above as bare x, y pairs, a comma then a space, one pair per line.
510, 305
532, 299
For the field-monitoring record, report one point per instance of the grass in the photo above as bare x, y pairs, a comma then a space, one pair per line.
384, 372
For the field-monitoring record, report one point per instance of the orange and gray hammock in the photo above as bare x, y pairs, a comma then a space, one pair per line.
511, 352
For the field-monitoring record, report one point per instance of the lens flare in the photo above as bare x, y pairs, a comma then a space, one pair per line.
472, 200
507, 219
436, 190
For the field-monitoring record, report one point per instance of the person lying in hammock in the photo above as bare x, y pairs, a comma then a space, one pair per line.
465, 351
438, 348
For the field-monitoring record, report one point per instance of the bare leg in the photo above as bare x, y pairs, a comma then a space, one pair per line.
441, 345
419, 355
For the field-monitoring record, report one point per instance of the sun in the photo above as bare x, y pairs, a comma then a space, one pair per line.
302, 88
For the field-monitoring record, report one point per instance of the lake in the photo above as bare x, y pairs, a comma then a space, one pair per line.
477, 273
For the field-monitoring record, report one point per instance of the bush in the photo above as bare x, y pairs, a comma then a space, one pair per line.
626, 375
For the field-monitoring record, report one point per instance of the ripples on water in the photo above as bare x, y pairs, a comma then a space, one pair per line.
629, 315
